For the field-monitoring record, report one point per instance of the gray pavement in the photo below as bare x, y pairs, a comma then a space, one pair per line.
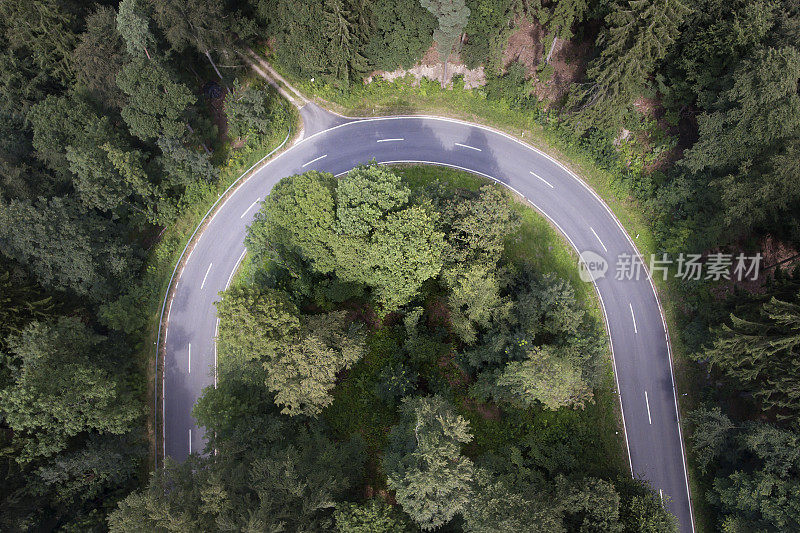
335, 144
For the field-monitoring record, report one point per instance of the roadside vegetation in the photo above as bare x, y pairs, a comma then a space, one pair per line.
687, 125
123, 121
411, 330
117, 140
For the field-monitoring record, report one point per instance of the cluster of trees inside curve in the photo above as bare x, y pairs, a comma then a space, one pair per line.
108, 137
387, 363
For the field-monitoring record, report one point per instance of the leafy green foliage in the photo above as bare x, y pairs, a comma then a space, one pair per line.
156, 105
303, 372
21, 301
66, 247
400, 33
749, 138
284, 482
424, 465
452, 16
271, 472
98, 55
133, 26
45, 29
540, 350
294, 224
395, 383
560, 17
47, 408
319, 39
762, 353
301, 355
638, 35
253, 324
754, 482
368, 235
374, 516
546, 378
487, 31
248, 110
80, 199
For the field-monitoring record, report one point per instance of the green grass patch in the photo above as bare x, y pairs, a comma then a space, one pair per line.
406, 96
588, 440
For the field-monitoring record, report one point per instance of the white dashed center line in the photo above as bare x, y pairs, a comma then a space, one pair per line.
648, 408
189, 366
236, 266
470, 147
249, 208
598, 239
190, 441
314, 160
541, 178
633, 317
206, 276
390, 140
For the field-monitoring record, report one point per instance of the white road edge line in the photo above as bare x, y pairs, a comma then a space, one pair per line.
633, 317
661, 493
541, 178
574, 247
468, 146
647, 401
598, 239
390, 140
251, 207
206, 276
314, 160
356, 120
189, 366
235, 268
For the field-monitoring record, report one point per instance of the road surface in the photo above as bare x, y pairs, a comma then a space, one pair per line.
334, 144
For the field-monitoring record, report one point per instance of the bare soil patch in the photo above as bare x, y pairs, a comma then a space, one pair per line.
430, 67
526, 45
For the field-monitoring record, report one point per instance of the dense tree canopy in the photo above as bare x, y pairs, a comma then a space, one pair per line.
363, 228
156, 104
762, 354
368, 289
638, 36
47, 408
424, 466
103, 144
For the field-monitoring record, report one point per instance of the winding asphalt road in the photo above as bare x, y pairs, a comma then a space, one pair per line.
334, 144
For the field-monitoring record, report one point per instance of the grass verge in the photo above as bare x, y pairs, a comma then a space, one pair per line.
406, 96
165, 254
592, 434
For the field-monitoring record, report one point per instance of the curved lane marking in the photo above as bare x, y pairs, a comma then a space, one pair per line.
356, 120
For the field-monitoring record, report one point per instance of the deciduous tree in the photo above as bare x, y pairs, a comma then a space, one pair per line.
156, 104
373, 516
47, 408
424, 466
66, 247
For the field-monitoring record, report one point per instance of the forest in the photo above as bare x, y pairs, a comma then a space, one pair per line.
453, 372
122, 120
